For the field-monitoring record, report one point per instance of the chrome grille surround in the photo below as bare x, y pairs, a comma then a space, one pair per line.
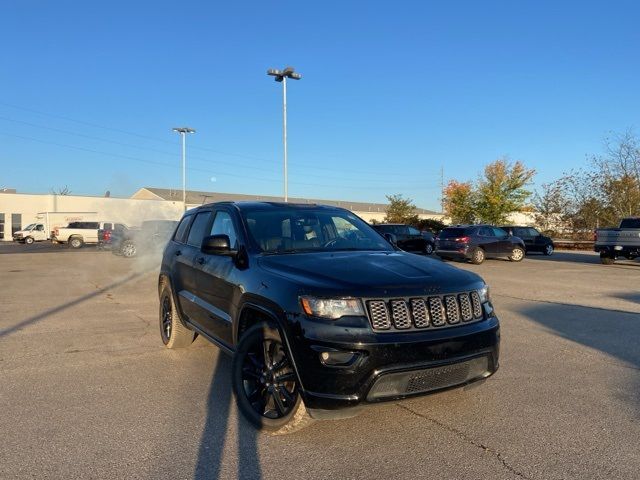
419, 313
400, 314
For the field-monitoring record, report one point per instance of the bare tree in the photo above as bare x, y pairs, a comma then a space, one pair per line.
61, 190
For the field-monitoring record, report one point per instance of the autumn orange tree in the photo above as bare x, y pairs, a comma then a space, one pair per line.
459, 202
500, 191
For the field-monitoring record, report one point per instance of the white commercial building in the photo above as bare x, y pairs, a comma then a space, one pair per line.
20, 209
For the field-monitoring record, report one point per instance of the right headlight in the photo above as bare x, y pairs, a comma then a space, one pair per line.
484, 294
332, 308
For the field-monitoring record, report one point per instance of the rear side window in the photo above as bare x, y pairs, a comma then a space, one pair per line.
630, 223
181, 232
108, 226
414, 231
453, 233
198, 229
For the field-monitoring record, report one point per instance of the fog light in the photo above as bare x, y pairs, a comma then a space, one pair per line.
338, 358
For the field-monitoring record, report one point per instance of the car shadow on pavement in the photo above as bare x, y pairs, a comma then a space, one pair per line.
212, 442
584, 258
52, 311
612, 332
628, 296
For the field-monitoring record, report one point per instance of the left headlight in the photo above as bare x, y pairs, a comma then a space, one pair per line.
484, 294
332, 308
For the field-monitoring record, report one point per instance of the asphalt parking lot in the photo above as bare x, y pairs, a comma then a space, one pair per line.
88, 391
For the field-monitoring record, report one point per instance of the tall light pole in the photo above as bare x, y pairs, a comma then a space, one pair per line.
281, 76
183, 133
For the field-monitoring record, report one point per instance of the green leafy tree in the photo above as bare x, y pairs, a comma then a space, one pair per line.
400, 210
502, 190
460, 202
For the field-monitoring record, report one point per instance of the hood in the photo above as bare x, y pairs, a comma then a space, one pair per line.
369, 273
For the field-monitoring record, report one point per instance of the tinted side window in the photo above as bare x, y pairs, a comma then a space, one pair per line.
223, 225
485, 232
401, 230
414, 231
181, 232
198, 230
108, 226
630, 223
498, 232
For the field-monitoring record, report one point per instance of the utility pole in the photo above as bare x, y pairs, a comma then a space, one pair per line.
281, 76
183, 133
442, 189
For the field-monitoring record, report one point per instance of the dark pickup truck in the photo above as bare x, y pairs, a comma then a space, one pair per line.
624, 241
151, 237
321, 314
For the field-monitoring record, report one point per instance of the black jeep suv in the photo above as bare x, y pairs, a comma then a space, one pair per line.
321, 313
477, 242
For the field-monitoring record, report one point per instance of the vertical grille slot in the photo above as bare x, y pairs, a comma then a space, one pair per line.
420, 313
400, 314
465, 307
477, 305
436, 310
379, 315
453, 312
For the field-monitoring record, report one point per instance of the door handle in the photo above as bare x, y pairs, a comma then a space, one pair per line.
178, 253
201, 260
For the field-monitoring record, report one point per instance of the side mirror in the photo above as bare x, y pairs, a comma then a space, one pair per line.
391, 238
216, 245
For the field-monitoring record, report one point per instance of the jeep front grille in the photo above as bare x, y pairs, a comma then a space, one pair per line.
424, 312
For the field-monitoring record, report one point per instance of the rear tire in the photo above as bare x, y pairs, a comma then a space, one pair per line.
268, 397
173, 333
517, 254
428, 249
76, 242
606, 259
548, 250
128, 249
477, 256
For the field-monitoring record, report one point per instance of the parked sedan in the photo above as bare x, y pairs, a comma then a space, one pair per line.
533, 240
477, 242
407, 238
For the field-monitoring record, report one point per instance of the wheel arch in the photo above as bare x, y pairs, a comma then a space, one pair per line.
253, 312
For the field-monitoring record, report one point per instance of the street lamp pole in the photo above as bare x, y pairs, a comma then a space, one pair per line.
281, 76
183, 133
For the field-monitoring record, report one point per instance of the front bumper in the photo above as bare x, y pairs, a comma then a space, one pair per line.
391, 366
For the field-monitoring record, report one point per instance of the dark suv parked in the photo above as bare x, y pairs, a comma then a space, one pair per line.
477, 242
150, 238
533, 240
407, 238
321, 314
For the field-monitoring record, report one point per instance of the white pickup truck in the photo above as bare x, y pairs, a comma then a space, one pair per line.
77, 234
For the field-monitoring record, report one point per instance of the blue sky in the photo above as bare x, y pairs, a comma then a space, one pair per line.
392, 92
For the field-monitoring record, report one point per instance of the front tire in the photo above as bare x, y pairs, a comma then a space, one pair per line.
28, 240
606, 259
477, 256
173, 333
548, 250
517, 254
428, 249
265, 384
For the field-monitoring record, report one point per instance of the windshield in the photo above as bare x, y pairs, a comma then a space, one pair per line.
290, 230
30, 226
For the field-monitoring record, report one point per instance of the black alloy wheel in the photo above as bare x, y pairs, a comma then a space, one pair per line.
268, 379
166, 317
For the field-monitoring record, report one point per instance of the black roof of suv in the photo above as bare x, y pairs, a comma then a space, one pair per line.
321, 313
